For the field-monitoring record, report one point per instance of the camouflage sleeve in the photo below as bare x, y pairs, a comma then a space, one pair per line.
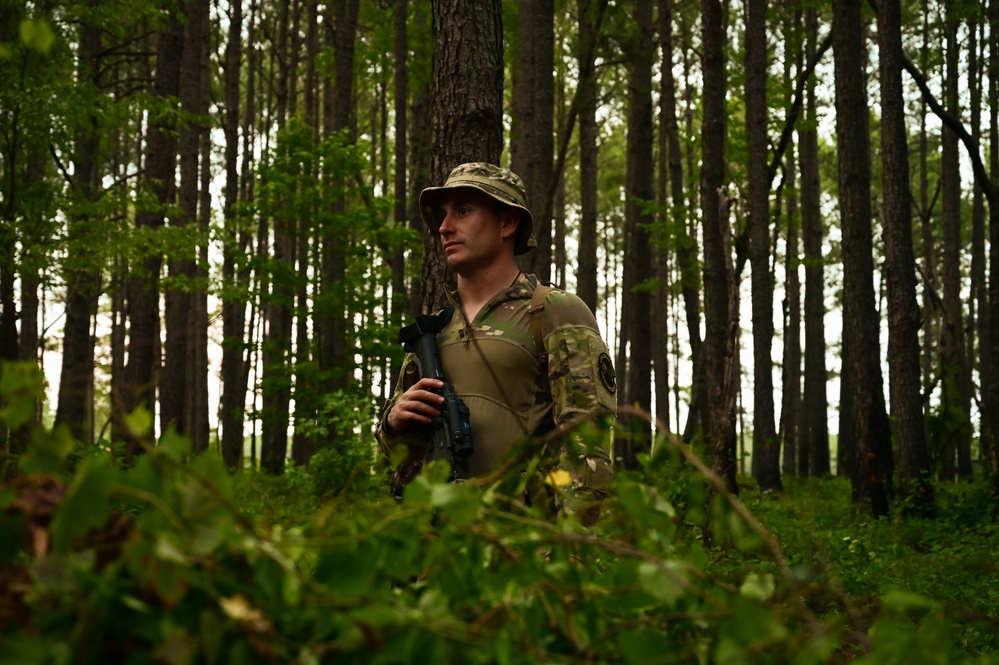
409, 375
580, 370
583, 383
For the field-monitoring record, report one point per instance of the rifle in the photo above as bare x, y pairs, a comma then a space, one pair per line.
452, 432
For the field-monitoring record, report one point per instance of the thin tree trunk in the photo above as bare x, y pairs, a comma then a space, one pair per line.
903, 314
990, 359
956, 395
176, 379
233, 396
978, 303
586, 273
813, 440
139, 389
83, 278
639, 192
685, 242
766, 447
420, 139
719, 350
866, 419
197, 370
276, 351
400, 182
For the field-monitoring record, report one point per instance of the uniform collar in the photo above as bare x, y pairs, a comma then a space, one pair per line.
518, 291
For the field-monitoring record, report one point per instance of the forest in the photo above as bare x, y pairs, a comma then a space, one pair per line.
783, 215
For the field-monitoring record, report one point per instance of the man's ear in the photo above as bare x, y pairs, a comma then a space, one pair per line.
509, 222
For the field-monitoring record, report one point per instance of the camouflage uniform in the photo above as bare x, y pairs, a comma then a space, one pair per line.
495, 367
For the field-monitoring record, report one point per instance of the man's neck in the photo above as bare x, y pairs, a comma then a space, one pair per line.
476, 289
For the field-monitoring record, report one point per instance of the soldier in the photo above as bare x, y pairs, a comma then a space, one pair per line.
515, 389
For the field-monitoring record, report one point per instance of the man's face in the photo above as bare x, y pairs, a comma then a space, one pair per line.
473, 231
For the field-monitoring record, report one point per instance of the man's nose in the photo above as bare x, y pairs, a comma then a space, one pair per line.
446, 222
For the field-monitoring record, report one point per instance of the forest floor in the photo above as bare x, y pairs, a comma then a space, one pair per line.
950, 562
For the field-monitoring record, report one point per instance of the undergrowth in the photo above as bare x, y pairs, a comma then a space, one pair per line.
175, 560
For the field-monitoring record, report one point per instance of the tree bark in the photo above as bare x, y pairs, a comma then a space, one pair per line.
83, 277
639, 192
139, 386
531, 143
233, 398
978, 303
586, 274
867, 417
177, 379
790, 412
813, 441
467, 113
956, 395
916, 490
720, 327
766, 447
276, 352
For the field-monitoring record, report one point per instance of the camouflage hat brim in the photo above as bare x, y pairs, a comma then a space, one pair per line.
499, 184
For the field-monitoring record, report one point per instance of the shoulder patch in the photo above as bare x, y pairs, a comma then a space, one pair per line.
606, 370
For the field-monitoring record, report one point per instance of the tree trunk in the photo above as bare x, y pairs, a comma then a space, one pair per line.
400, 186
685, 241
990, 359
586, 273
978, 302
420, 140
531, 143
662, 296
196, 406
956, 396
333, 325
790, 411
867, 417
306, 382
83, 277
903, 313
930, 310
467, 113
766, 447
139, 386
813, 437
176, 380
276, 352
639, 192
233, 398
720, 327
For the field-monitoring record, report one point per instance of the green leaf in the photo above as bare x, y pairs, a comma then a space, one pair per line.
37, 35
758, 587
643, 646
139, 422
900, 601
22, 384
663, 582
175, 446
87, 503
47, 451
459, 503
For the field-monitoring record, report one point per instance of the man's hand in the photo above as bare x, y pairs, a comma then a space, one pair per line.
417, 406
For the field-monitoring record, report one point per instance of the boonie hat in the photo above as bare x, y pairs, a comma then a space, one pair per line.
498, 183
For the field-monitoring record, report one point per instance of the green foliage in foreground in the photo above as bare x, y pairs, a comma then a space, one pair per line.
172, 560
